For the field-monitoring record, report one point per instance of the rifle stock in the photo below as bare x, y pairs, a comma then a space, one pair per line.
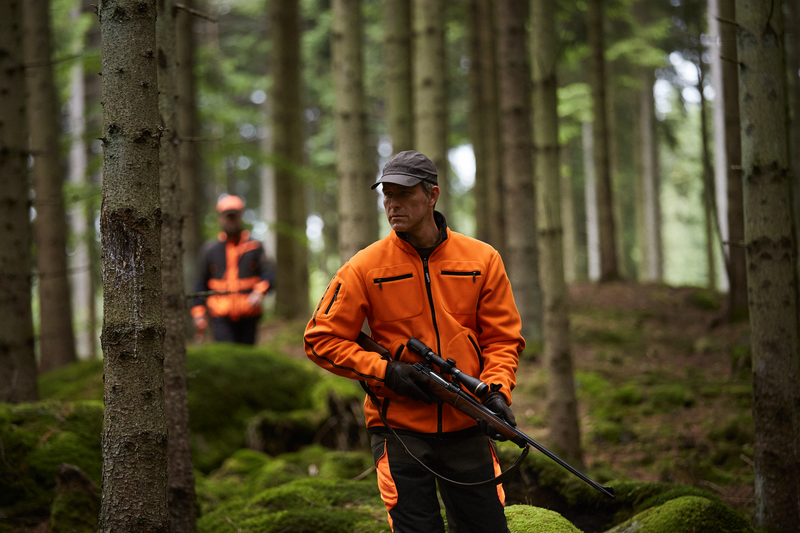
451, 393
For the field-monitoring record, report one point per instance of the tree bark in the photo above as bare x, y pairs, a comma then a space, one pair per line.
430, 99
709, 205
651, 196
188, 132
737, 274
771, 263
567, 217
134, 437
609, 269
793, 62
17, 361
56, 338
490, 119
399, 86
562, 405
180, 473
476, 127
358, 221
521, 259
290, 202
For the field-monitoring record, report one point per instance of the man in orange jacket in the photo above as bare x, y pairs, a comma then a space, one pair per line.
452, 293
237, 267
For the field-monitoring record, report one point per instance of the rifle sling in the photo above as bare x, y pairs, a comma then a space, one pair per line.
493, 481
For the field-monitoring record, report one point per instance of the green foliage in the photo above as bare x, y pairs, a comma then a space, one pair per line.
668, 396
686, 514
629, 394
528, 519
36, 438
79, 381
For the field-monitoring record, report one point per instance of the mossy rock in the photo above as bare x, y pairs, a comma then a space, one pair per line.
37, 438
528, 519
78, 381
76, 506
686, 514
310, 504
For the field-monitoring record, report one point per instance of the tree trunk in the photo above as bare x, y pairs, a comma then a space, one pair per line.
771, 263
609, 270
180, 474
718, 128
708, 186
17, 361
793, 62
476, 127
651, 251
358, 221
191, 180
80, 264
737, 297
521, 258
567, 217
134, 437
56, 338
592, 219
562, 405
290, 202
490, 119
399, 86
430, 99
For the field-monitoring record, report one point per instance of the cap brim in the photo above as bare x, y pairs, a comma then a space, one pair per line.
399, 179
231, 212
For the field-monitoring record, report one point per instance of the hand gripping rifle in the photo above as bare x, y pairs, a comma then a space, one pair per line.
452, 392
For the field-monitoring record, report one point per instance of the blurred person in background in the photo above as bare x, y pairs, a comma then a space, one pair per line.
236, 268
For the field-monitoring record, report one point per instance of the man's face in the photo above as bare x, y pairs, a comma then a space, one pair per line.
407, 207
231, 222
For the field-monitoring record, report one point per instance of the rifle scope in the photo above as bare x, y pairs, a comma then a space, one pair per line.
472, 384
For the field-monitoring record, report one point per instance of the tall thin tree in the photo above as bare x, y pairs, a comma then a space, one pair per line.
134, 436
609, 269
430, 99
737, 269
179, 455
56, 338
709, 205
188, 132
17, 360
562, 405
771, 263
290, 202
358, 218
517, 140
399, 82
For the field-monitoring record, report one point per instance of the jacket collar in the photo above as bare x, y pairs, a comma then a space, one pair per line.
244, 236
401, 238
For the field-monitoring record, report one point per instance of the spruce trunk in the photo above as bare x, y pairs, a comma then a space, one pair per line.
430, 100
562, 405
17, 361
651, 198
358, 220
609, 269
56, 338
179, 455
771, 263
399, 86
134, 437
290, 205
521, 258
188, 132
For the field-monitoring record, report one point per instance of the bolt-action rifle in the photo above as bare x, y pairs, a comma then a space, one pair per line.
452, 392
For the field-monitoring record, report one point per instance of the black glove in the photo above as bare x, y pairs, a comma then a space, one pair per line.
404, 379
497, 403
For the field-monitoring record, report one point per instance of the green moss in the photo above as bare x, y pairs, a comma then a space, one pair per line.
669, 396
311, 504
687, 514
74, 512
591, 384
345, 465
78, 381
705, 299
528, 519
629, 394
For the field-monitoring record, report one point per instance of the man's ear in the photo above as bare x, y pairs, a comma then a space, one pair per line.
434, 195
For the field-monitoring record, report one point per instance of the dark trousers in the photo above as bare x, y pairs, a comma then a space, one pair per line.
242, 331
409, 490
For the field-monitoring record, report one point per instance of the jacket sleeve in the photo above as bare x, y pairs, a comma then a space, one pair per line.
500, 329
330, 334
266, 270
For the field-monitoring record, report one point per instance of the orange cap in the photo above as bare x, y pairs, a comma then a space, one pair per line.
229, 203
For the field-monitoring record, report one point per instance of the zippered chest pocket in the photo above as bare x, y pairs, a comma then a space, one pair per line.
395, 292
461, 284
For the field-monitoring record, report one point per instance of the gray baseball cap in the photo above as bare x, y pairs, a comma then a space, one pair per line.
407, 169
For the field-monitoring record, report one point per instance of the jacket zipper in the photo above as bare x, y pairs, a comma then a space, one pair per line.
477, 351
335, 293
435, 328
381, 281
314, 318
474, 273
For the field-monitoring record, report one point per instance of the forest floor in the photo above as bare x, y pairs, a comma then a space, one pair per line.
663, 385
